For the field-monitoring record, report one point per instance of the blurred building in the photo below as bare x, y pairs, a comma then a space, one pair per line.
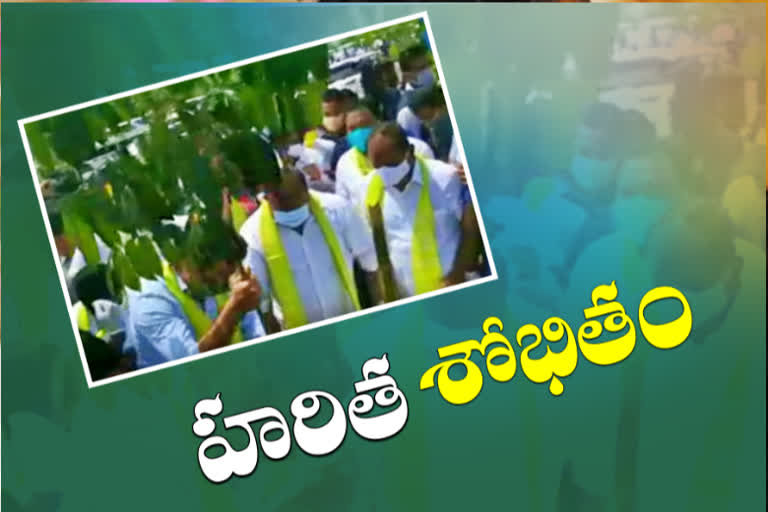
649, 52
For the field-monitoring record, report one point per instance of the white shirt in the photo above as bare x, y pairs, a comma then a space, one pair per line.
321, 290
409, 122
399, 212
352, 184
453, 154
313, 157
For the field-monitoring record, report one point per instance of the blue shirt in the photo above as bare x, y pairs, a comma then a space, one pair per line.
158, 331
465, 197
342, 146
390, 101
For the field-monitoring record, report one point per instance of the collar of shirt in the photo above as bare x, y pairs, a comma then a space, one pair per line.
149, 283
300, 228
415, 179
209, 304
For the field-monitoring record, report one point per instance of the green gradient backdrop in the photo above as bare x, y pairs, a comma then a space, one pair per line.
696, 414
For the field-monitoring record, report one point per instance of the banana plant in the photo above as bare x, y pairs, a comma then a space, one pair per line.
401, 36
125, 201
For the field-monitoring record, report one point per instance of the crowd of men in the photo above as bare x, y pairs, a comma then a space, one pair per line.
370, 207
631, 207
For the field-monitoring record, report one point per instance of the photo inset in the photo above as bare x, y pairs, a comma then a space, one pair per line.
270, 196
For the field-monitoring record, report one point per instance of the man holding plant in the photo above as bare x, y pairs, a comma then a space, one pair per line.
176, 315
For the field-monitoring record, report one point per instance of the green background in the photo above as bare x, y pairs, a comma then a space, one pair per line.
676, 430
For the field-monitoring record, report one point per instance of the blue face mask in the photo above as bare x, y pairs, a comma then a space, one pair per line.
292, 218
358, 138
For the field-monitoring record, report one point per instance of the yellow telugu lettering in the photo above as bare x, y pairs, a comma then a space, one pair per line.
553, 364
671, 334
457, 392
505, 371
610, 352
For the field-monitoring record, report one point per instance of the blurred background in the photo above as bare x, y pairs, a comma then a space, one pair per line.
631, 147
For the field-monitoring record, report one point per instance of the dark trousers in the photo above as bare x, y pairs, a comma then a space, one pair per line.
364, 294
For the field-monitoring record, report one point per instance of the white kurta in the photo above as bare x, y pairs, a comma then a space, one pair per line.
322, 292
409, 122
399, 212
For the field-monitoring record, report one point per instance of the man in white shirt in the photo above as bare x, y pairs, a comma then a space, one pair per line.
403, 175
354, 170
307, 226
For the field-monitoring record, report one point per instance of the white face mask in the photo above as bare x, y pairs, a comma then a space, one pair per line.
592, 175
334, 124
292, 218
395, 174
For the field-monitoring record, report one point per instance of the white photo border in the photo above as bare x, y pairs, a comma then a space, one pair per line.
30, 160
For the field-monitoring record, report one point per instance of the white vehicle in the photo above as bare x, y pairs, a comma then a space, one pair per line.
354, 83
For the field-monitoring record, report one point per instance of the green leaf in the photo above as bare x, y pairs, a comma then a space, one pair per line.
95, 123
106, 228
170, 250
124, 272
71, 139
129, 209
123, 109
258, 107
41, 148
78, 229
143, 257
98, 211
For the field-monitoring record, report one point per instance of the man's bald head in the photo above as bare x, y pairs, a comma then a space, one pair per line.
389, 146
359, 117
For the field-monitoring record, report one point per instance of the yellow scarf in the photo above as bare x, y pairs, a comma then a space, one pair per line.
363, 164
309, 138
426, 266
198, 318
280, 273
84, 320
238, 213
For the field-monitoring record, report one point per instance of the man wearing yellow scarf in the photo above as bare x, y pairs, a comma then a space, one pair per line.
175, 315
354, 170
301, 247
417, 205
